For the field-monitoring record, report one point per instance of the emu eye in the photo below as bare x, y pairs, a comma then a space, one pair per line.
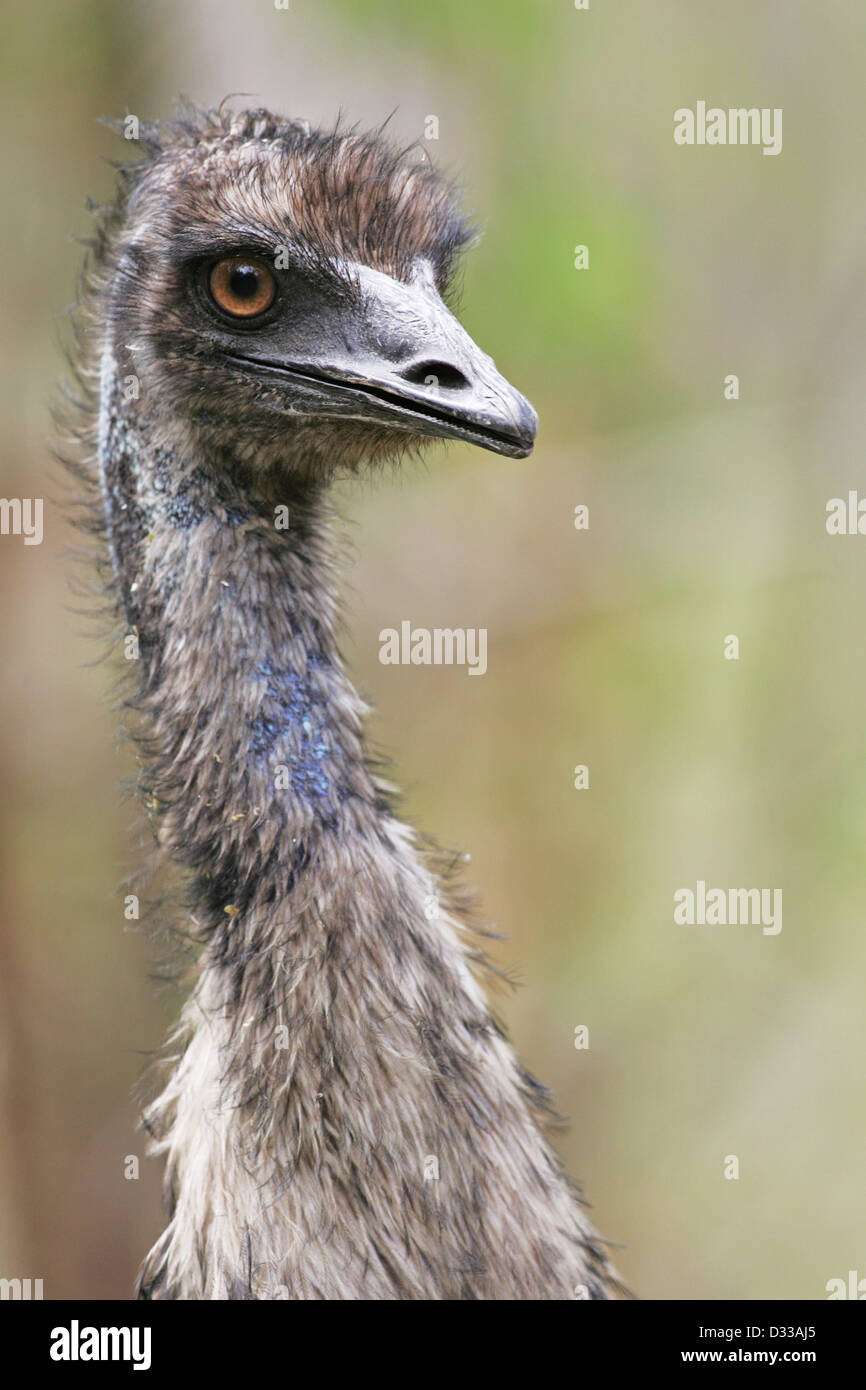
242, 286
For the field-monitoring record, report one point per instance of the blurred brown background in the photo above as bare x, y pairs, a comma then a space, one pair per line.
605, 647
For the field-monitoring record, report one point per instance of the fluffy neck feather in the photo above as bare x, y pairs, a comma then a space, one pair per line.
343, 1119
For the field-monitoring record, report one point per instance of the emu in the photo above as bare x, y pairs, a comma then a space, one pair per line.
264, 309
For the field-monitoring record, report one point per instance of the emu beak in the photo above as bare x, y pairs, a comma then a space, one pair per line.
399, 358
427, 375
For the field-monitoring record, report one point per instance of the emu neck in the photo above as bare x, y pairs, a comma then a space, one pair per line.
344, 1118
251, 731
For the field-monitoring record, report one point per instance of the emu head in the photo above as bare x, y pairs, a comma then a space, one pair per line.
281, 294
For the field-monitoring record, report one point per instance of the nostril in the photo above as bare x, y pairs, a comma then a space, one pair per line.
435, 374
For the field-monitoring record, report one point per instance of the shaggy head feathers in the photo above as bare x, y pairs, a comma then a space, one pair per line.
334, 194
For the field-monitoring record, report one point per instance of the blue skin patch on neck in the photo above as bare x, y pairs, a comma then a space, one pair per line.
292, 728
182, 497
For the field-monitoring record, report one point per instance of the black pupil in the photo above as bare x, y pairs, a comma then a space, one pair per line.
244, 281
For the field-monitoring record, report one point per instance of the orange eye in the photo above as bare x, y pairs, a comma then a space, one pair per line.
242, 286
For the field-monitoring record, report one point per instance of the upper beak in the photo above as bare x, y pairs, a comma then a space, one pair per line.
400, 358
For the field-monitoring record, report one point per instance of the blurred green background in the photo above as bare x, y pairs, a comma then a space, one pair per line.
605, 646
